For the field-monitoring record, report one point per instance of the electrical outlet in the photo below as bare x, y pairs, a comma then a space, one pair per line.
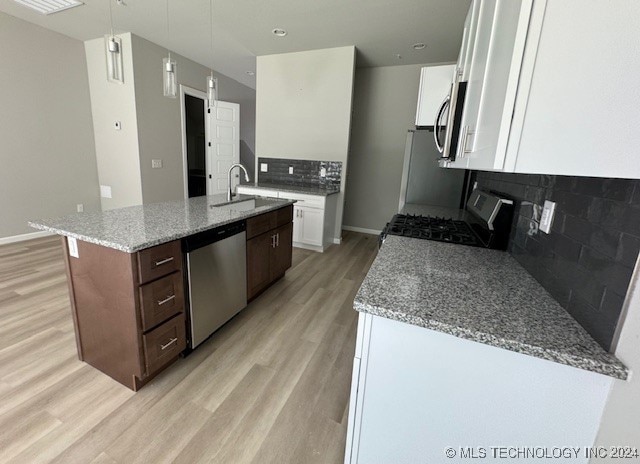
323, 172
290, 169
80, 208
264, 167
156, 164
547, 216
117, 125
105, 191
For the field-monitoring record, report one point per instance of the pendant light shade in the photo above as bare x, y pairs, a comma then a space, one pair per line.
169, 79
212, 91
169, 70
113, 52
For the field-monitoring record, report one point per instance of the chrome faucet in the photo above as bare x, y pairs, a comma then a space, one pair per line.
246, 177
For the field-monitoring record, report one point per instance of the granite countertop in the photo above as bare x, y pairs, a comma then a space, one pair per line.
480, 295
138, 227
311, 190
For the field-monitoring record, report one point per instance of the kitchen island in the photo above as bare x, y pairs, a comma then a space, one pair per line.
128, 274
460, 347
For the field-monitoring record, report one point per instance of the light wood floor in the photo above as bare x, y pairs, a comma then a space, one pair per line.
271, 386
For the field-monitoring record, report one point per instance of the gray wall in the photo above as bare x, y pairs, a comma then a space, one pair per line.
117, 152
47, 158
151, 124
303, 108
384, 108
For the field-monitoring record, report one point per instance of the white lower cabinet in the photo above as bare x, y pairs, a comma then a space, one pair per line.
308, 225
314, 216
420, 392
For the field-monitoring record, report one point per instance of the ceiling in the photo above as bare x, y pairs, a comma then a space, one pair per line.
380, 29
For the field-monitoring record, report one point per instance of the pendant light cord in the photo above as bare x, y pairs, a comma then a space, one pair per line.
211, 31
168, 49
110, 17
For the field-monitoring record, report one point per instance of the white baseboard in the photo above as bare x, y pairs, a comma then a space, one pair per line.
308, 247
362, 230
337, 240
24, 237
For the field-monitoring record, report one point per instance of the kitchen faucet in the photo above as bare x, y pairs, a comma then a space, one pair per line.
246, 177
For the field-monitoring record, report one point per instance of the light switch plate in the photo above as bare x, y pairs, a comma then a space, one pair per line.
156, 164
290, 169
264, 167
547, 216
80, 207
323, 172
105, 191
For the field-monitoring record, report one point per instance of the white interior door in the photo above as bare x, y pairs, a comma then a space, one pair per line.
224, 149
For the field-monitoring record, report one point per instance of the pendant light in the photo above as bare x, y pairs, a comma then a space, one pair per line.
170, 84
212, 82
113, 53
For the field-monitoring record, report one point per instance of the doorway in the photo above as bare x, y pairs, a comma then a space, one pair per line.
210, 143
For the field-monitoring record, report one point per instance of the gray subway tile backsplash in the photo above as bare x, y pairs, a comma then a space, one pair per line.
306, 173
587, 260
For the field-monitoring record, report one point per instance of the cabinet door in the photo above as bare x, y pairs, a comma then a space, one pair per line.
281, 254
312, 226
435, 83
297, 224
258, 261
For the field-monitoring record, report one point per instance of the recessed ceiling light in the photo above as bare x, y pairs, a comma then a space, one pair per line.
279, 32
48, 7
251, 73
419, 46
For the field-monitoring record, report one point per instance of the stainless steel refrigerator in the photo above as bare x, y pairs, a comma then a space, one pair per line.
423, 181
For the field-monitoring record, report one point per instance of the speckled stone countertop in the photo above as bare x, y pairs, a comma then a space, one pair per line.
321, 191
480, 295
138, 227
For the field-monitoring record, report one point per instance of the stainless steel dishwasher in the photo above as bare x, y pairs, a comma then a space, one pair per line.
216, 278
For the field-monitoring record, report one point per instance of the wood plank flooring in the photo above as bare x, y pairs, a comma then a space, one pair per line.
271, 386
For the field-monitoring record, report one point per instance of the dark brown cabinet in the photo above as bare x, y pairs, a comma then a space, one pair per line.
269, 248
128, 309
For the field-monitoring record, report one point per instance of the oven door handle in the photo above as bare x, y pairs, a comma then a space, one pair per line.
436, 123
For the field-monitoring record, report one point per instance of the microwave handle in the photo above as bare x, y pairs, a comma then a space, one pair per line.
436, 124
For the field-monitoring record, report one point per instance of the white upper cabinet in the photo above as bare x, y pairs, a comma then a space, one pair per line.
435, 82
551, 87
578, 109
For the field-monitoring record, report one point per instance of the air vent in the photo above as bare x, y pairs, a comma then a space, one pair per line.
48, 7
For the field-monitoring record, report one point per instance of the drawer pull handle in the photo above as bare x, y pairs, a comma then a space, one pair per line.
164, 261
171, 342
166, 300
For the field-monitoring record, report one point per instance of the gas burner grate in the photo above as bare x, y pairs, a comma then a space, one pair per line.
432, 228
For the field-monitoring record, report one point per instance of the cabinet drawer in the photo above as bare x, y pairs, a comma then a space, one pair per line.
163, 344
311, 201
260, 224
161, 299
159, 261
284, 216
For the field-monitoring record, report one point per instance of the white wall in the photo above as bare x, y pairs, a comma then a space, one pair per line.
47, 158
620, 421
384, 109
303, 107
116, 151
151, 125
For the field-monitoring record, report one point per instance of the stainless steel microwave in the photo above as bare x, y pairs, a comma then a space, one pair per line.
447, 136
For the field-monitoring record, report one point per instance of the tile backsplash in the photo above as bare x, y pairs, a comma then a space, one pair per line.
587, 260
306, 173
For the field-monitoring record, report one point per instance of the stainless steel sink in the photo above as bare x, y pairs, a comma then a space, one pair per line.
246, 205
